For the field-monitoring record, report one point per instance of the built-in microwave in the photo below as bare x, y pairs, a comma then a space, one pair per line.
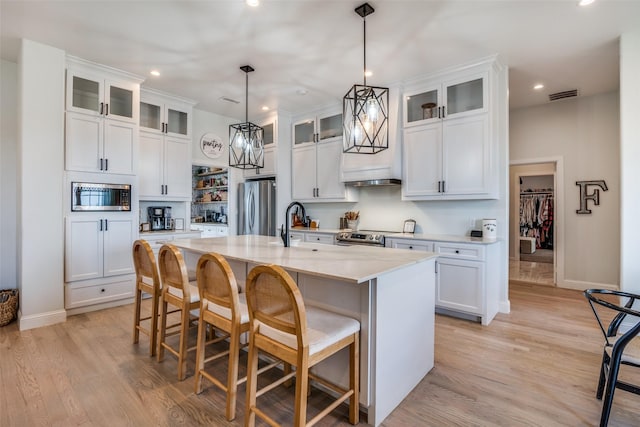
91, 196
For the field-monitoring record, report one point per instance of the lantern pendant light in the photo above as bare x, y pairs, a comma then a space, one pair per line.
365, 109
246, 145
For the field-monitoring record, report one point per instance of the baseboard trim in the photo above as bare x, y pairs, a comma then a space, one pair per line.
102, 306
581, 286
41, 319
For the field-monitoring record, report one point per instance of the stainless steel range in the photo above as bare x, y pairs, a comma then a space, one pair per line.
362, 237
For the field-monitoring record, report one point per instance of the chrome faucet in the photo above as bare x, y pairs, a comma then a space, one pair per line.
284, 232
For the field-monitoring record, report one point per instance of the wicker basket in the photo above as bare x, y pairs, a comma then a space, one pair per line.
8, 305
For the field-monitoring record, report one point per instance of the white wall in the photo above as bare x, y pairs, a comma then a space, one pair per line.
584, 133
8, 185
40, 183
629, 156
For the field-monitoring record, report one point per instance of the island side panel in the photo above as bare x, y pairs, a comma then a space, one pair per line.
403, 329
347, 299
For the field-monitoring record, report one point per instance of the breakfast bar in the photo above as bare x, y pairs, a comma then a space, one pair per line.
391, 292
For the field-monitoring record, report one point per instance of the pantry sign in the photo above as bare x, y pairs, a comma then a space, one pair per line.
211, 145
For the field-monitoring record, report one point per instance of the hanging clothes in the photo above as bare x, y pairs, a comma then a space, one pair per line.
536, 218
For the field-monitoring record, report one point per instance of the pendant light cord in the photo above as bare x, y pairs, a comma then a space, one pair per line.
246, 97
364, 26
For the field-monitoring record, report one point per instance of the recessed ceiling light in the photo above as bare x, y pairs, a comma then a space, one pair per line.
538, 86
301, 91
265, 108
253, 3
155, 73
585, 2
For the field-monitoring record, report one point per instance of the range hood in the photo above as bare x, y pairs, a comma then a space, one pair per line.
373, 182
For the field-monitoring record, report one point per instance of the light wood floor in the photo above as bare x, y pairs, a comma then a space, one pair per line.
537, 366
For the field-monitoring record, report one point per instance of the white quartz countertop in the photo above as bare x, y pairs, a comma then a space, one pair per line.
356, 264
442, 238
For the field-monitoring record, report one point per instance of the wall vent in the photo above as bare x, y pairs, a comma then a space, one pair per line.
564, 94
233, 101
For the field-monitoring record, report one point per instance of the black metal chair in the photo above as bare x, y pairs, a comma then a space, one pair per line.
619, 348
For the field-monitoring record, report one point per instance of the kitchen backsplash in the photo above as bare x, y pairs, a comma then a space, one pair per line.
381, 208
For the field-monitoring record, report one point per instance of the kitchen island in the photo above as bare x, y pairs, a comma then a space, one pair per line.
391, 292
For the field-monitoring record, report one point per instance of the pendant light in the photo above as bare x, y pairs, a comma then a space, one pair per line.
365, 109
246, 145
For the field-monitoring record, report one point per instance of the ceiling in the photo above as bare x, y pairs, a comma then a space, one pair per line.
308, 53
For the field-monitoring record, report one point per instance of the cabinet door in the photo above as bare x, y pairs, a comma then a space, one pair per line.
177, 119
150, 167
330, 127
466, 155
459, 285
328, 170
84, 137
304, 132
303, 176
421, 107
151, 115
122, 101
418, 245
422, 161
119, 147
83, 248
85, 92
466, 95
118, 236
177, 168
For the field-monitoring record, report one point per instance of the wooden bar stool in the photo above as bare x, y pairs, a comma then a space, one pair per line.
148, 281
225, 309
177, 291
283, 327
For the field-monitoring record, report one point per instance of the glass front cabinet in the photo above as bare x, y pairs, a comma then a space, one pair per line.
162, 113
453, 98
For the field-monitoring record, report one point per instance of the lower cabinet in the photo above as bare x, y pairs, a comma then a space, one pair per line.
316, 237
467, 283
98, 263
211, 230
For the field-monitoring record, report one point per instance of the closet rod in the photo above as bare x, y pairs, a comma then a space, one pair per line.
536, 192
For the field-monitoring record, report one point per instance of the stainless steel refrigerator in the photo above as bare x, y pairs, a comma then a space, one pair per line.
257, 207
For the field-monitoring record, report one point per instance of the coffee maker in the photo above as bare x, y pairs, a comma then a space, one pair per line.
159, 217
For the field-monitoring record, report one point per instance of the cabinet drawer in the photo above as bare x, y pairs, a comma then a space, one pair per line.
327, 239
79, 296
416, 246
460, 251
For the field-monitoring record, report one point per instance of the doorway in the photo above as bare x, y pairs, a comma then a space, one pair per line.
533, 226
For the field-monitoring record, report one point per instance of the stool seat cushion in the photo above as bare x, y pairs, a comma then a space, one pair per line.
226, 312
193, 287
324, 328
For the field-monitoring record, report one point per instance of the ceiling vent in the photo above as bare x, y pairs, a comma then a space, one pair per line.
233, 101
562, 95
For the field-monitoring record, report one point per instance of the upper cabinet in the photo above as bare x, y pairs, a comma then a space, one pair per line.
102, 112
161, 113
165, 147
451, 134
270, 138
316, 156
453, 98
98, 92
322, 128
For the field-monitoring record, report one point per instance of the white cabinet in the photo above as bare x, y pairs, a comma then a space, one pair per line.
467, 282
101, 92
101, 131
214, 230
164, 168
448, 160
449, 136
270, 138
165, 114
94, 144
165, 147
98, 246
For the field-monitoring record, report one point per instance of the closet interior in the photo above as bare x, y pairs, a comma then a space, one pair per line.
536, 213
